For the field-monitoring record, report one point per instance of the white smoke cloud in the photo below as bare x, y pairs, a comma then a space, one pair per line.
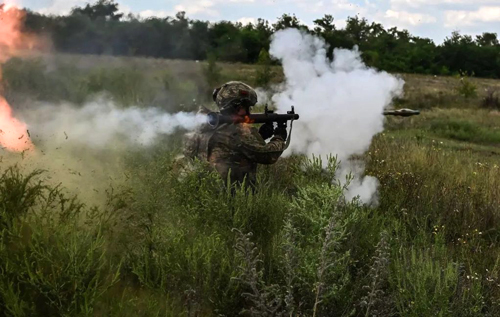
85, 147
100, 124
340, 103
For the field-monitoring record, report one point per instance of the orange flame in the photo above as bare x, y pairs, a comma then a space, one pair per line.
13, 133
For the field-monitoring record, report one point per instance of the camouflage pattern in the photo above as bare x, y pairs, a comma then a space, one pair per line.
196, 143
234, 150
235, 91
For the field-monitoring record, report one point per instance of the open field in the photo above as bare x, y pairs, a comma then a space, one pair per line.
160, 242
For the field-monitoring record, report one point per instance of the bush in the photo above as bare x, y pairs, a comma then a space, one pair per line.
466, 88
491, 101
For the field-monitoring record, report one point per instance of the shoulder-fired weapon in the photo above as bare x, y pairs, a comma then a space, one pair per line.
215, 118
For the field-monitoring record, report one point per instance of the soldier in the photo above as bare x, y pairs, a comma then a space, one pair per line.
234, 150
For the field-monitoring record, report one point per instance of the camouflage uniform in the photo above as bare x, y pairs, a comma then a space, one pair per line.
234, 150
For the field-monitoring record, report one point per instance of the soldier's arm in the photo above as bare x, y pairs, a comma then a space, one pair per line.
253, 146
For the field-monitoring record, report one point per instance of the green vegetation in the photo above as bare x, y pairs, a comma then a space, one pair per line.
466, 88
99, 29
175, 242
264, 73
212, 71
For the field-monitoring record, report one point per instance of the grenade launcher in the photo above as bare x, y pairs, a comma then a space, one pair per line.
215, 118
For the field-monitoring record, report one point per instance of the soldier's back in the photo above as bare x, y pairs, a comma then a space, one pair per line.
226, 155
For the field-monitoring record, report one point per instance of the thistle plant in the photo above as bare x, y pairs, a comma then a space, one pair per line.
376, 297
329, 257
265, 299
290, 263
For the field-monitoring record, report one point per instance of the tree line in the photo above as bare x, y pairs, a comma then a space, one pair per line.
99, 28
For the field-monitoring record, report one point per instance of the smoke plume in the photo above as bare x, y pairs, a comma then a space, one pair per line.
340, 103
101, 124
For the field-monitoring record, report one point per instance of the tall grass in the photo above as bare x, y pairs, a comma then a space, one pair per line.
300, 250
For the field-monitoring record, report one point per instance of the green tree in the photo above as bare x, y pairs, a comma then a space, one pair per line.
106, 9
325, 25
288, 21
487, 39
98, 28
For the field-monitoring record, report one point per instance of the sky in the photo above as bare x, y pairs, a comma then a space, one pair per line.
434, 19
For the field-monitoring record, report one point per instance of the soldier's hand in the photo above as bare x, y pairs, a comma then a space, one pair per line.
281, 132
266, 131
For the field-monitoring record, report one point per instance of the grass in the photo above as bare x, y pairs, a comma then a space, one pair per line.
176, 242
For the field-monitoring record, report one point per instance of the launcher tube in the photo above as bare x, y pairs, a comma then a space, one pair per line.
215, 119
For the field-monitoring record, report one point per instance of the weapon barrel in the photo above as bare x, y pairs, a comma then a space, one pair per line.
215, 119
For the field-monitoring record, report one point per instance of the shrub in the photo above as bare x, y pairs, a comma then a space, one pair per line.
466, 88
491, 101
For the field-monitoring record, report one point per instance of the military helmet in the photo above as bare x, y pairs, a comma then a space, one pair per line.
234, 94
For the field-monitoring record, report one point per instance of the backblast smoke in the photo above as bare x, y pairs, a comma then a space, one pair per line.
340, 103
101, 124
84, 147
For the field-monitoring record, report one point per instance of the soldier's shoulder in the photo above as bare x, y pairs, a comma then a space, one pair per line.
227, 129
